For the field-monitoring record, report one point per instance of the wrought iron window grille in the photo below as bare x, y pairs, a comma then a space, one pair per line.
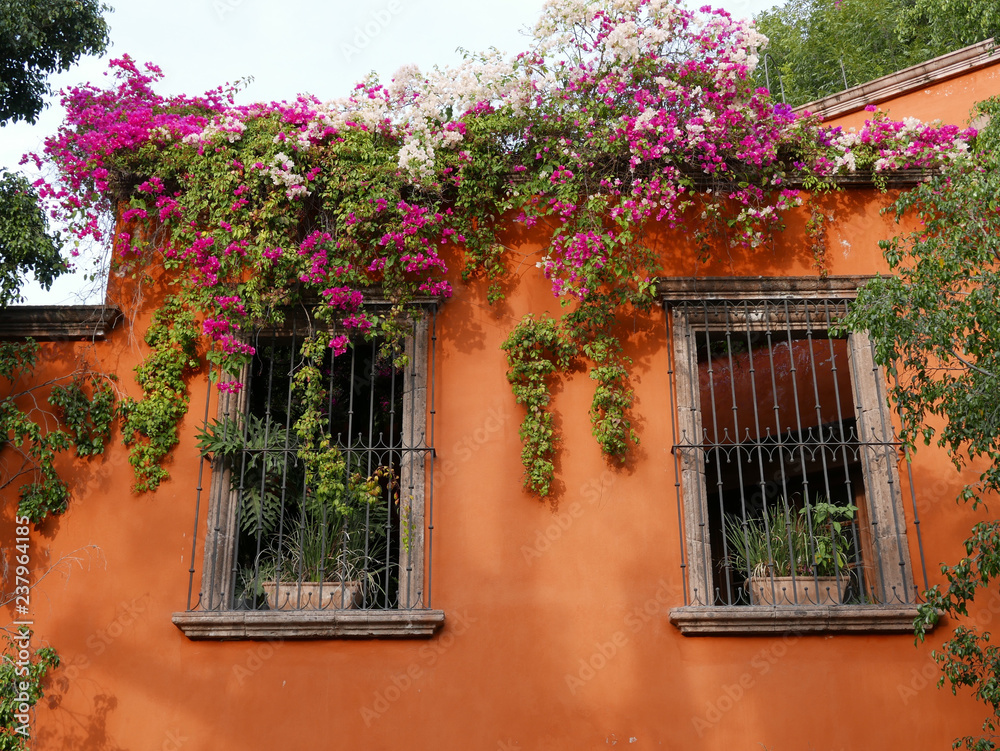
788, 482
326, 519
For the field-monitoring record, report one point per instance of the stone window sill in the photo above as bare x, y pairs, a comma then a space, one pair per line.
228, 625
764, 620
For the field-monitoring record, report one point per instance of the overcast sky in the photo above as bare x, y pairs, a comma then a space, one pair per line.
288, 47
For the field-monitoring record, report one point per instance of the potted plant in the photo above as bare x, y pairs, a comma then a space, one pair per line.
315, 567
329, 555
793, 557
319, 526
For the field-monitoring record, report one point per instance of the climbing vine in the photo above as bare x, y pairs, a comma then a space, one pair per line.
149, 425
41, 421
619, 116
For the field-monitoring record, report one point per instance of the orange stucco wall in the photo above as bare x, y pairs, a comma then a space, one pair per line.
556, 634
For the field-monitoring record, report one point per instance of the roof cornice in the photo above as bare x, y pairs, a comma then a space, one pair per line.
905, 81
51, 322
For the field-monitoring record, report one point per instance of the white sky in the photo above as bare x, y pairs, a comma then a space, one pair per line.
288, 47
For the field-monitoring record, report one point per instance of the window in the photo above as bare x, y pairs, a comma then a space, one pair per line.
318, 520
788, 469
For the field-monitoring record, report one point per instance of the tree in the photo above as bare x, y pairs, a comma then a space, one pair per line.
26, 245
934, 27
39, 37
935, 326
820, 47
817, 45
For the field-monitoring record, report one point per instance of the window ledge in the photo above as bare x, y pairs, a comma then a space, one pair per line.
753, 621
341, 624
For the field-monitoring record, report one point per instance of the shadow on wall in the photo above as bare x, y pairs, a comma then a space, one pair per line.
79, 730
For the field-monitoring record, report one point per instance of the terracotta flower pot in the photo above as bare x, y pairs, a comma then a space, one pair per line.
802, 590
312, 595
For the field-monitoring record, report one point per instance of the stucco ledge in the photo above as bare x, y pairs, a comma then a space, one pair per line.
757, 621
276, 624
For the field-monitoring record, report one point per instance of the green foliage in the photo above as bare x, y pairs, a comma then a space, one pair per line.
26, 246
87, 415
612, 397
83, 408
48, 494
149, 425
539, 348
536, 349
39, 37
255, 448
17, 688
935, 327
325, 468
967, 658
17, 358
934, 27
816, 44
811, 39
786, 542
